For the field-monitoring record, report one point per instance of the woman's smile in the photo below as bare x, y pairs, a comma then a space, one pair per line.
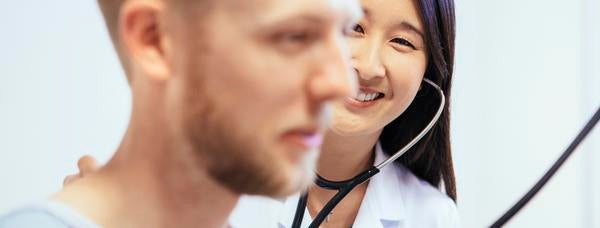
365, 97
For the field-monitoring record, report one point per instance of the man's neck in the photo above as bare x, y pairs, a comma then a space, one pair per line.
151, 183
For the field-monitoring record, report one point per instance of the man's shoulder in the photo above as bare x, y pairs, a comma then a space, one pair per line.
31, 216
45, 214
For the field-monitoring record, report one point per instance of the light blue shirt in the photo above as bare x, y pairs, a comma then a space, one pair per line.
395, 198
47, 214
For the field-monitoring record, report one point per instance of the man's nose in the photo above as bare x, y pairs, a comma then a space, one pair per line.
335, 77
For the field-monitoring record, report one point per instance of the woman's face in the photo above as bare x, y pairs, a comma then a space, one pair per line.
390, 58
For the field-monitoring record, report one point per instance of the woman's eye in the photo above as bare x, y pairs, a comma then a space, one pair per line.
404, 42
353, 30
358, 29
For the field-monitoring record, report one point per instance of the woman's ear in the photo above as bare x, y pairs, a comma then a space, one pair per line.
141, 32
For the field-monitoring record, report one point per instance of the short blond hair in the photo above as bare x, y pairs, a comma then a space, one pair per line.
110, 10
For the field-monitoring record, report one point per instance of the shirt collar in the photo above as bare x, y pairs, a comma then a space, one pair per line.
382, 203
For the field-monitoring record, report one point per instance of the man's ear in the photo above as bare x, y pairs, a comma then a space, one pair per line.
141, 31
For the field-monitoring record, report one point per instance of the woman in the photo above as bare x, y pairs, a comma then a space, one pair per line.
394, 47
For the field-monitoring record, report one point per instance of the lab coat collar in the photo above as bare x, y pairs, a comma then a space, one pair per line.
382, 205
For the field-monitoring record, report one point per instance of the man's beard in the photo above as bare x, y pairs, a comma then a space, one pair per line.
241, 162
248, 168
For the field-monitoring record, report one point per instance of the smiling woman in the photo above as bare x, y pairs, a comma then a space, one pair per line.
397, 45
431, 158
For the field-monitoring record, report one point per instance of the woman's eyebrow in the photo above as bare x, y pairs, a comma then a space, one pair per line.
405, 25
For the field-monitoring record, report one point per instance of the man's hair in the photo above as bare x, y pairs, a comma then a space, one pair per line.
110, 10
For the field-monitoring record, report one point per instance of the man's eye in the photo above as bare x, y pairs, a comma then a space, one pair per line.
404, 42
295, 41
296, 37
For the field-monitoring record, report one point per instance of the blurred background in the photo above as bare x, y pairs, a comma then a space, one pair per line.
527, 79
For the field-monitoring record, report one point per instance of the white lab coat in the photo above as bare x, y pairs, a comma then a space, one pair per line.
395, 198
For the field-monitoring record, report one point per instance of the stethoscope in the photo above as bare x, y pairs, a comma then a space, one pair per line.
345, 187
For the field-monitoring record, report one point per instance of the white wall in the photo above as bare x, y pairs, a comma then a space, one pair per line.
527, 78
591, 93
62, 94
523, 90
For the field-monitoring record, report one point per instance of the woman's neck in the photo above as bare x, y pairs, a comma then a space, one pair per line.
343, 157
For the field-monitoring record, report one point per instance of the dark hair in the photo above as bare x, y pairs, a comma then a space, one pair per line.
431, 158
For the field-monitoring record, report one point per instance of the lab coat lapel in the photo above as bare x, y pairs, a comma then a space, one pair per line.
382, 205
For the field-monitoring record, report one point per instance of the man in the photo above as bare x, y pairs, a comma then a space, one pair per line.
228, 99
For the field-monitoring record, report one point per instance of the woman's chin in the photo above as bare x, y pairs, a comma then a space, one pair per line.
347, 123
347, 129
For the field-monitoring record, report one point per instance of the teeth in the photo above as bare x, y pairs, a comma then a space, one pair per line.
363, 97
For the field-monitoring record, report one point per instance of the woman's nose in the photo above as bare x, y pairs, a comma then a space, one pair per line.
366, 59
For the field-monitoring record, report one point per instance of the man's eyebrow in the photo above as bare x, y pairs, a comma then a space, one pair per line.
344, 14
309, 17
313, 19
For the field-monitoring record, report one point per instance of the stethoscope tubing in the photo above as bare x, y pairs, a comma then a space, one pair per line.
550, 173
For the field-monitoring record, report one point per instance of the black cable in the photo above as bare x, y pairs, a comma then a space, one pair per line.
300, 209
540, 184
